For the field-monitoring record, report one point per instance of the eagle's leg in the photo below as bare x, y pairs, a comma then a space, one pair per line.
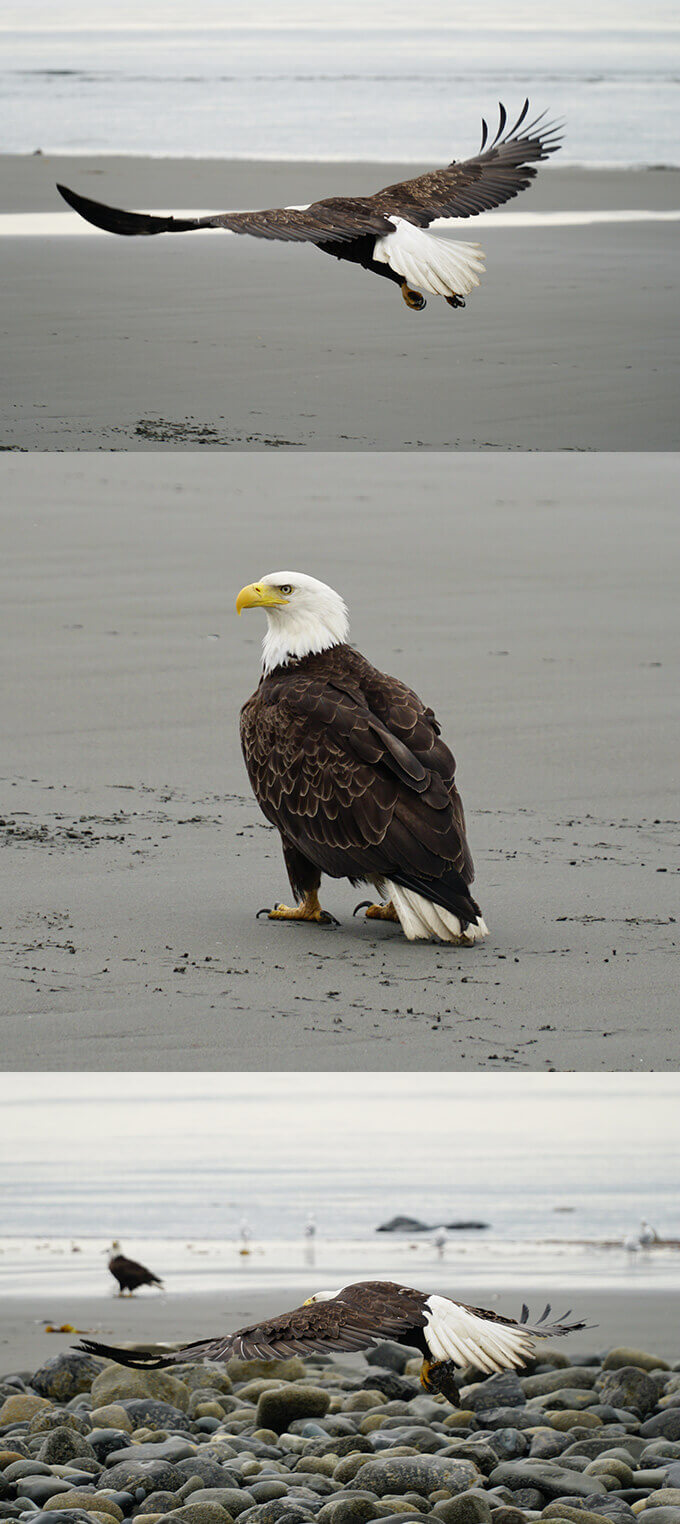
455, 301
309, 910
377, 912
413, 298
440, 1376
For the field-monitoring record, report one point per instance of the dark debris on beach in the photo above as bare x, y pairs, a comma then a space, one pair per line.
596, 1441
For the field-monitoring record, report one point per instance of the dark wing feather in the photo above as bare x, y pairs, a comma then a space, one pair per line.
492, 177
349, 765
495, 175
357, 1318
337, 220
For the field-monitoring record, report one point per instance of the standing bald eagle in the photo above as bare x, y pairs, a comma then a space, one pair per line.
128, 1272
448, 1334
385, 232
350, 766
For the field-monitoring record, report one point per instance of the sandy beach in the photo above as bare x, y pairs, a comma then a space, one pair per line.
531, 601
639, 1320
126, 344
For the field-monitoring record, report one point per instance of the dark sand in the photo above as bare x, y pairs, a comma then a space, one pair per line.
643, 1320
532, 601
204, 340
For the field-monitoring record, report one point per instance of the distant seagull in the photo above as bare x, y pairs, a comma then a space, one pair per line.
128, 1272
246, 1234
440, 1241
384, 232
448, 1334
647, 1235
310, 1226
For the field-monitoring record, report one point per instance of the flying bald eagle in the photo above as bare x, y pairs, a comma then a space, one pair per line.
128, 1272
384, 232
350, 766
447, 1334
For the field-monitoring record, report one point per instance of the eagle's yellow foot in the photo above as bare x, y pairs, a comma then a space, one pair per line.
413, 298
309, 910
377, 912
455, 301
440, 1376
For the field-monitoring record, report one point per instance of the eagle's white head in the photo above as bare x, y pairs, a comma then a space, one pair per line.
323, 1296
303, 616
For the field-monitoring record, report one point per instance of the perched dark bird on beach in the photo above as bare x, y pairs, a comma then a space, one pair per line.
350, 766
449, 1335
128, 1273
384, 232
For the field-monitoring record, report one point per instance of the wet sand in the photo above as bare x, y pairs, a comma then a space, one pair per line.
639, 1319
531, 600
204, 341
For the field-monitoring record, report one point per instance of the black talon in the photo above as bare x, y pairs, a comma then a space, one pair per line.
329, 920
266, 910
360, 906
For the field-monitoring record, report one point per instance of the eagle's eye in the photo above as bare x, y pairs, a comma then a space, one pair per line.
286, 589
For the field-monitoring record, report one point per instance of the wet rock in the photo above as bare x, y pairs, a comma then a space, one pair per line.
579, 1378
62, 1445
293, 1369
277, 1409
56, 1418
117, 1384
142, 1477
23, 1406
65, 1376
502, 1391
552, 1480
87, 1500
420, 1474
389, 1355
629, 1387
666, 1423
205, 1467
173, 1450
201, 1513
106, 1442
155, 1414
466, 1508
40, 1488
568, 1418
112, 1416
573, 1515
618, 1358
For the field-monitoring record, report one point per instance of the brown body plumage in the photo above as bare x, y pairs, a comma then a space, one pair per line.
130, 1274
350, 765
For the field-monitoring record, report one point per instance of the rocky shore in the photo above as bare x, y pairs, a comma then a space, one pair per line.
85, 1441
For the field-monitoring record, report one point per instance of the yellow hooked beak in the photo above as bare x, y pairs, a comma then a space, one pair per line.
258, 596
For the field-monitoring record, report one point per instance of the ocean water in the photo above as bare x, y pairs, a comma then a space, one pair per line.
337, 89
560, 1167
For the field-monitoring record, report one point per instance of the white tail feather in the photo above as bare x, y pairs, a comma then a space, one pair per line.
421, 919
455, 1333
431, 263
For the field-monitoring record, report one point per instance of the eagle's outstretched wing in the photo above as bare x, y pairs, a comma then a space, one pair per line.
359, 1316
496, 174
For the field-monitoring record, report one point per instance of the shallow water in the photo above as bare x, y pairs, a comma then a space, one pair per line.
380, 92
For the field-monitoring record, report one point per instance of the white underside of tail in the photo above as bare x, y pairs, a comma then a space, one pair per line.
421, 919
455, 1333
430, 262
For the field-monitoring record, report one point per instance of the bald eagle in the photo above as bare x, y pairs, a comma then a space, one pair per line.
350, 766
128, 1272
386, 232
447, 1334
